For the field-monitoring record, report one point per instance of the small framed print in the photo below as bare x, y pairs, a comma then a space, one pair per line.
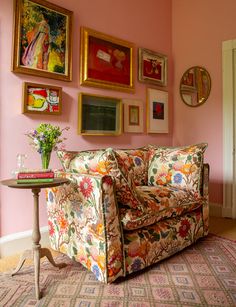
157, 111
99, 115
106, 61
152, 67
42, 99
133, 115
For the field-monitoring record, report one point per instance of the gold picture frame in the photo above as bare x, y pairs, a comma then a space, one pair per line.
99, 115
41, 99
42, 40
157, 111
133, 115
106, 61
152, 67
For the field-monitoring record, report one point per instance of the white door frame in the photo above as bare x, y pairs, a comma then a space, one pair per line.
229, 127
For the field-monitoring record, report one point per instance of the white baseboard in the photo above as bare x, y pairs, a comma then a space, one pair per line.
18, 242
216, 209
227, 212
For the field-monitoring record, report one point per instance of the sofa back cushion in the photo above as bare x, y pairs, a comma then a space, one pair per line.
178, 167
134, 163
93, 162
101, 162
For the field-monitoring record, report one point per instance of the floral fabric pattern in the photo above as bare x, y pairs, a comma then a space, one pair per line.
102, 162
83, 223
115, 225
178, 167
133, 162
159, 203
151, 244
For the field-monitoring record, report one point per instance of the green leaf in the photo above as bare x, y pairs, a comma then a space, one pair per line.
74, 250
154, 170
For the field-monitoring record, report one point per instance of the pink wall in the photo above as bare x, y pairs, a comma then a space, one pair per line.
147, 25
198, 29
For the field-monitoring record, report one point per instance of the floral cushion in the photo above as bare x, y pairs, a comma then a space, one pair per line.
151, 244
179, 167
101, 162
92, 162
159, 203
133, 162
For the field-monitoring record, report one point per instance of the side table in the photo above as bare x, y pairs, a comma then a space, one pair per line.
37, 252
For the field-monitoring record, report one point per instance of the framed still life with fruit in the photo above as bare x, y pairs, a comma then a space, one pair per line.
42, 99
106, 61
42, 39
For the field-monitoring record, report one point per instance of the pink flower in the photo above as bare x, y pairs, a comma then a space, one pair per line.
86, 187
51, 228
184, 228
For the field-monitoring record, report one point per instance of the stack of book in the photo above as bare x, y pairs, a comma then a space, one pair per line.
35, 176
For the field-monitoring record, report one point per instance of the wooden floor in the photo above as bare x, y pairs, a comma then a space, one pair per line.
222, 227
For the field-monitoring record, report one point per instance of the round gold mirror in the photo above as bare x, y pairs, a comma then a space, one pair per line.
195, 86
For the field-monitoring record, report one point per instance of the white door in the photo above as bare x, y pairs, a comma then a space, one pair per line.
229, 127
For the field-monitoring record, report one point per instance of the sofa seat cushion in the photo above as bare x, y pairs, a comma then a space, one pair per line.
101, 162
176, 166
134, 163
159, 203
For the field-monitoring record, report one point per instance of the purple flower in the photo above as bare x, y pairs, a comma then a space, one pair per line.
136, 266
137, 161
95, 270
178, 178
50, 196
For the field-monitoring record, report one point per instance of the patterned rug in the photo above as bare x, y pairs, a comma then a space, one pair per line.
201, 275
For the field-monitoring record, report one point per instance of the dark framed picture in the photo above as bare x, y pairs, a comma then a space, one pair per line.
106, 61
42, 99
99, 115
157, 111
152, 67
42, 40
133, 115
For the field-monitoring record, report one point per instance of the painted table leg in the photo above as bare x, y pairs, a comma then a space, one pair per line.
45, 252
26, 255
36, 236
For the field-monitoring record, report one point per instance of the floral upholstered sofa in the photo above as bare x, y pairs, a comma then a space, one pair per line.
124, 210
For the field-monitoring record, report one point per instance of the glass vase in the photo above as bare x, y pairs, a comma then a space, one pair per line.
45, 158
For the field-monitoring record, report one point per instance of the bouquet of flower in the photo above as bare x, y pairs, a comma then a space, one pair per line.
46, 138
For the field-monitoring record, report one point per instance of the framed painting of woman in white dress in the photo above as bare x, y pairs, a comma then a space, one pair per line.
42, 39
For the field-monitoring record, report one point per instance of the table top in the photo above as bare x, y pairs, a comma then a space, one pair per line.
12, 183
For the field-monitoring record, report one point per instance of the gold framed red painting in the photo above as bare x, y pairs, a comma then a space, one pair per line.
105, 61
152, 67
42, 99
42, 39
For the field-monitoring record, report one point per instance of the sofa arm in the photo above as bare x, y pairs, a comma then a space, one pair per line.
205, 194
84, 224
205, 180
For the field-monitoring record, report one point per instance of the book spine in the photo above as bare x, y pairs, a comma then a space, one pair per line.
35, 175
38, 180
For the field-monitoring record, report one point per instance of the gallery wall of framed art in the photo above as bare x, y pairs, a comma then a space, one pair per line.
42, 47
